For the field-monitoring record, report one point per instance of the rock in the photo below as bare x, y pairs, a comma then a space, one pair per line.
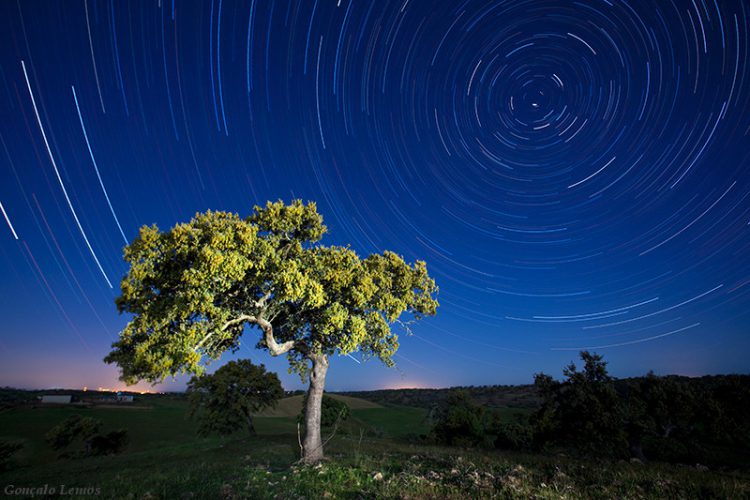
227, 492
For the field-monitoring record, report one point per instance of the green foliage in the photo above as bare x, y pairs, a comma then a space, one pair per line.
460, 422
582, 412
7, 450
677, 419
72, 429
227, 400
85, 430
332, 411
192, 290
674, 419
512, 435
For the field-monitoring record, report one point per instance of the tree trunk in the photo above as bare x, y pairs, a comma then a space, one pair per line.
312, 447
250, 425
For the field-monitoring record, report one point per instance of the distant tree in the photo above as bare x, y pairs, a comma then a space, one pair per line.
193, 290
460, 421
333, 411
583, 411
226, 400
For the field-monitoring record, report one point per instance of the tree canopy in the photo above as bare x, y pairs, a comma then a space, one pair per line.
227, 399
192, 290
583, 411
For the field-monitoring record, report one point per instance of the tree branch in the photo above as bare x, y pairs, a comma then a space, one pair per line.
261, 303
274, 348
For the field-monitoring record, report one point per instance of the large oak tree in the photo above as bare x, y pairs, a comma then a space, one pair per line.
195, 289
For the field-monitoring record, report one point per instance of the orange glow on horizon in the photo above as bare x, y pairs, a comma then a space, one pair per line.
406, 385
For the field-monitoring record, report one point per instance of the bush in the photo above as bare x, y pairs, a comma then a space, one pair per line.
7, 450
72, 429
512, 436
109, 444
84, 431
460, 422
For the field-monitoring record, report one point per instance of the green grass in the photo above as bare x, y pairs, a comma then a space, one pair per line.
292, 406
395, 421
166, 459
509, 415
165, 422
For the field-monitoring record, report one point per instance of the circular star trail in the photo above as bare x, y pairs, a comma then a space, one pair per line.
575, 174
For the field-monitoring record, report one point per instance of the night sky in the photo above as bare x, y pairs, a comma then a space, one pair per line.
575, 173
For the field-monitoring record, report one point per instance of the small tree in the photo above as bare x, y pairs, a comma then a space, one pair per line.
227, 400
193, 290
583, 412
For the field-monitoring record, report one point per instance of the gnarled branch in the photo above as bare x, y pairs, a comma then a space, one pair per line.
274, 347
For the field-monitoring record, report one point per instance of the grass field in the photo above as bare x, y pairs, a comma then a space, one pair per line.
375, 454
292, 406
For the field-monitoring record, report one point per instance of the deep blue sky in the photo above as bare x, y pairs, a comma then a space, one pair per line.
575, 174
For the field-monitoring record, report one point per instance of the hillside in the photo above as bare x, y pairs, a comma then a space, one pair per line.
292, 406
494, 396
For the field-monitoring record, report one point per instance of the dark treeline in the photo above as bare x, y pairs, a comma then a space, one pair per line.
670, 418
499, 396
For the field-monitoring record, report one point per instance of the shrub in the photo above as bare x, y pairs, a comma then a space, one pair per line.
109, 444
512, 436
460, 421
72, 429
7, 450
85, 431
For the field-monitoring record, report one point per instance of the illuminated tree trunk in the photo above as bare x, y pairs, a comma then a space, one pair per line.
312, 447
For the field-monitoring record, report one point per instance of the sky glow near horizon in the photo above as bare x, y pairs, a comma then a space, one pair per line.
576, 175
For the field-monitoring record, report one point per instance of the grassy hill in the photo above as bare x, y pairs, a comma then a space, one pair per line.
493, 396
292, 406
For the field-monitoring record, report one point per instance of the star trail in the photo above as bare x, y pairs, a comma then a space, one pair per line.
574, 173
